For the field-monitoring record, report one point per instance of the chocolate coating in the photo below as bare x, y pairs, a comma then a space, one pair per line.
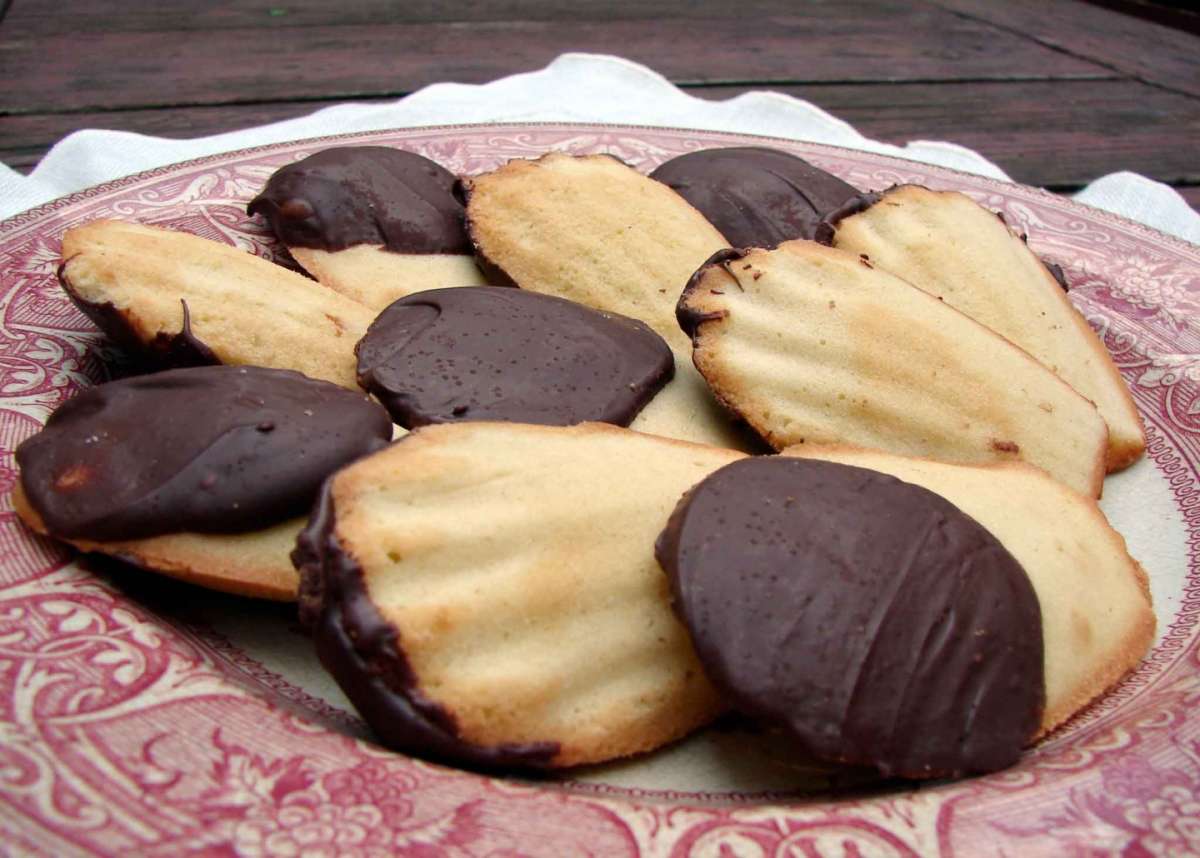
165, 351
1056, 271
755, 197
827, 228
210, 449
871, 618
364, 653
494, 353
689, 319
338, 198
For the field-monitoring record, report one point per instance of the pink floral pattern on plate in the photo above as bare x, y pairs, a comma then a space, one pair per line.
125, 729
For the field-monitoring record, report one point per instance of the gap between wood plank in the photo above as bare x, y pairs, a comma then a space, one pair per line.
1042, 133
763, 84
117, 69
991, 13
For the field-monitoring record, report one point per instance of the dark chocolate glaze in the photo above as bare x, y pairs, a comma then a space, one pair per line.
755, 197
364, 653
1058, 274
209, 449
350, 195
870, 617
690, 319
164, 351
827, 227
491, 353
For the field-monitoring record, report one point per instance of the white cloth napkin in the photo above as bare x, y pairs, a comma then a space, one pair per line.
573, 88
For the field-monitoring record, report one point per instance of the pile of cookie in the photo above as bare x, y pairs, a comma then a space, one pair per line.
739, 438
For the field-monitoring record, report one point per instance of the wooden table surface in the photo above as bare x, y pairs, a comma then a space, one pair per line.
1056, 92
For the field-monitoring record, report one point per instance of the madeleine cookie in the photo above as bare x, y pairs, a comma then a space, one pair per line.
756, 197
492, 353
1097, 619
487, 593
374, 223
201, 473
177, 298
870, 618
813, 345
952, 248
593, 230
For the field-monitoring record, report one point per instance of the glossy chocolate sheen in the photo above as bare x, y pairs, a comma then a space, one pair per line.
364, 653
211, 449
755, 197
494, 353
869, 617
351, 195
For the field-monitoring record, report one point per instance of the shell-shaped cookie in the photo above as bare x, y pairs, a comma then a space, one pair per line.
813, 345
1097, 620
138, 282
594, 230
372, 222
488, 592
958, 251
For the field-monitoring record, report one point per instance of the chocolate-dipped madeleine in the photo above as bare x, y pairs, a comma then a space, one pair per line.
372, 222
755, 196
493, 353
594, 230
868, 617
190, 458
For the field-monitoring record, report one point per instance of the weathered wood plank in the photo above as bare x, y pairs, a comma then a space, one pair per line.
1142, 49
1061, 134
70, 16
24, 139
45, 73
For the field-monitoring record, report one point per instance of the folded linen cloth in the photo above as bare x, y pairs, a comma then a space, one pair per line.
573, 88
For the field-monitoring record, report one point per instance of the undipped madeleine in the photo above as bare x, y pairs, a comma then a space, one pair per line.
814, 345
949, 246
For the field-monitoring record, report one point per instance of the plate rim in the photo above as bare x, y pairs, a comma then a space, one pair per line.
22, 218
627, 799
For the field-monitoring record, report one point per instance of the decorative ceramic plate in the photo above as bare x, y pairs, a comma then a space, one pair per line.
139, 716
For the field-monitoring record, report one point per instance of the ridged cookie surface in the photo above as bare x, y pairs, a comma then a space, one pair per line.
135, 282
813, 345
593, 230
954, 249
488, 593
1097, 620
